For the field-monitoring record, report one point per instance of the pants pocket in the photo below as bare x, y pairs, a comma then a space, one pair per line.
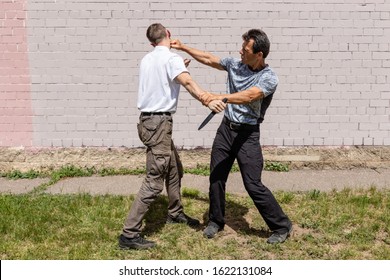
147, 129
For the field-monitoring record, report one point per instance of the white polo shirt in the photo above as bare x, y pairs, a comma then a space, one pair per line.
158, 91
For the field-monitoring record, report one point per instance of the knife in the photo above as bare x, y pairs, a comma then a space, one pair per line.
209, 117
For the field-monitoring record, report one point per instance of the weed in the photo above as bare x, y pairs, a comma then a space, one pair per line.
121, 171
75, 171
71, 171
16, 174
276, 166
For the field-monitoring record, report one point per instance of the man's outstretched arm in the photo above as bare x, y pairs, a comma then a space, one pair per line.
203, 57
195, 90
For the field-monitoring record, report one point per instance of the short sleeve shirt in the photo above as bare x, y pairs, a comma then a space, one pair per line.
240, 78
157, 89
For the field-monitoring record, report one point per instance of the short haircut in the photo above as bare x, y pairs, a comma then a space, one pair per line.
261, 42
156, 33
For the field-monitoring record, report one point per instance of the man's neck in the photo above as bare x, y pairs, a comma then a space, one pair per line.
257, 66
165, 43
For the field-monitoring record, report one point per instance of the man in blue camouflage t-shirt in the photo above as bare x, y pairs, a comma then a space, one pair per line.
251, 84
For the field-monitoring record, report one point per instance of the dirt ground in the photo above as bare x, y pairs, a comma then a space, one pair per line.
24, 159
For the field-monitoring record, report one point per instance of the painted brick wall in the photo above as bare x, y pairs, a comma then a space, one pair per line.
15, 92
77, 73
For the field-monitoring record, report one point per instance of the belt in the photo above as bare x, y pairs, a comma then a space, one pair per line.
240, 126
155, 113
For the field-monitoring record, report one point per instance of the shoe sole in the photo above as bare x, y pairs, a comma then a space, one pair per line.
135, 247
209, 236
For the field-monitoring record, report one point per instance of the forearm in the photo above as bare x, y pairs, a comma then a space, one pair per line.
194, 89
203, 57
243, 97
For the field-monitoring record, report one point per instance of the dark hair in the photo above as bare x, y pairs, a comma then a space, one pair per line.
156, 33
261, 42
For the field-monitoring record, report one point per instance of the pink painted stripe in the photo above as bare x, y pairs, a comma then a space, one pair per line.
15, 81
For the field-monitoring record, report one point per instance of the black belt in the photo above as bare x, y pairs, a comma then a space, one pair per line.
155, 113
240, 126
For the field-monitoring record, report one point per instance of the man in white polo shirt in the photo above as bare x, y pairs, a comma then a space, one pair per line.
161, 74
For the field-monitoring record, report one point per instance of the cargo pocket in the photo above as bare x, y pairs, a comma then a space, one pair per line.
147, 129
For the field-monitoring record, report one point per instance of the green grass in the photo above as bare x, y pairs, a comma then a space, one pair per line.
74, 171
348, 224
276, 166
70, 171
204, 169
17, 174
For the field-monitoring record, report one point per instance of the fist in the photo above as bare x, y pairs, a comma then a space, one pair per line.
176, 44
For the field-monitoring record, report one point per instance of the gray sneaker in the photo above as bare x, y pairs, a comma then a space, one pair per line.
135, 243
277, 237
211, 230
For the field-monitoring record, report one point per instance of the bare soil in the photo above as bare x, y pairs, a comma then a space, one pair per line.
130, 158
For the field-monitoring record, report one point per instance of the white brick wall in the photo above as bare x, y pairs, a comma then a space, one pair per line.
332, 59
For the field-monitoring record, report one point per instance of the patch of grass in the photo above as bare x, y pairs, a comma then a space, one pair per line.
276, 166
17, 174
286, 197
69, 171
204, 169
314, 194
348, 224
75, 171
191, 193
200, 169
121, 171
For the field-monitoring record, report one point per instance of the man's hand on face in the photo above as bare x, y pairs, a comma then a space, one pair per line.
176, 44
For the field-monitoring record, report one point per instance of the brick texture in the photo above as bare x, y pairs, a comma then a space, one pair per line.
332, 59
15, 98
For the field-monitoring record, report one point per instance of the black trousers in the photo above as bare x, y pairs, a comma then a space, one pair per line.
243, 145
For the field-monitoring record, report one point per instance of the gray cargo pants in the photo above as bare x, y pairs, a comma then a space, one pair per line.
162, 164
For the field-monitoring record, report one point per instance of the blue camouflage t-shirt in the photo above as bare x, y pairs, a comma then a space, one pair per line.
240, 78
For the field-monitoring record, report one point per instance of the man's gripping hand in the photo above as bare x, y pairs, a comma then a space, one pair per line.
217, 106
207, 97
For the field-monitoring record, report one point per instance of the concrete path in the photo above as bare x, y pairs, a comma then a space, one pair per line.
294, 180
20, 186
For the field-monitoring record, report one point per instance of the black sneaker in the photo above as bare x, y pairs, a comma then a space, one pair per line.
135, 243
279, 237
183, 219
211, 230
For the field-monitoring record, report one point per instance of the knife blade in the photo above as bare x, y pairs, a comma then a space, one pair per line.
209, 117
